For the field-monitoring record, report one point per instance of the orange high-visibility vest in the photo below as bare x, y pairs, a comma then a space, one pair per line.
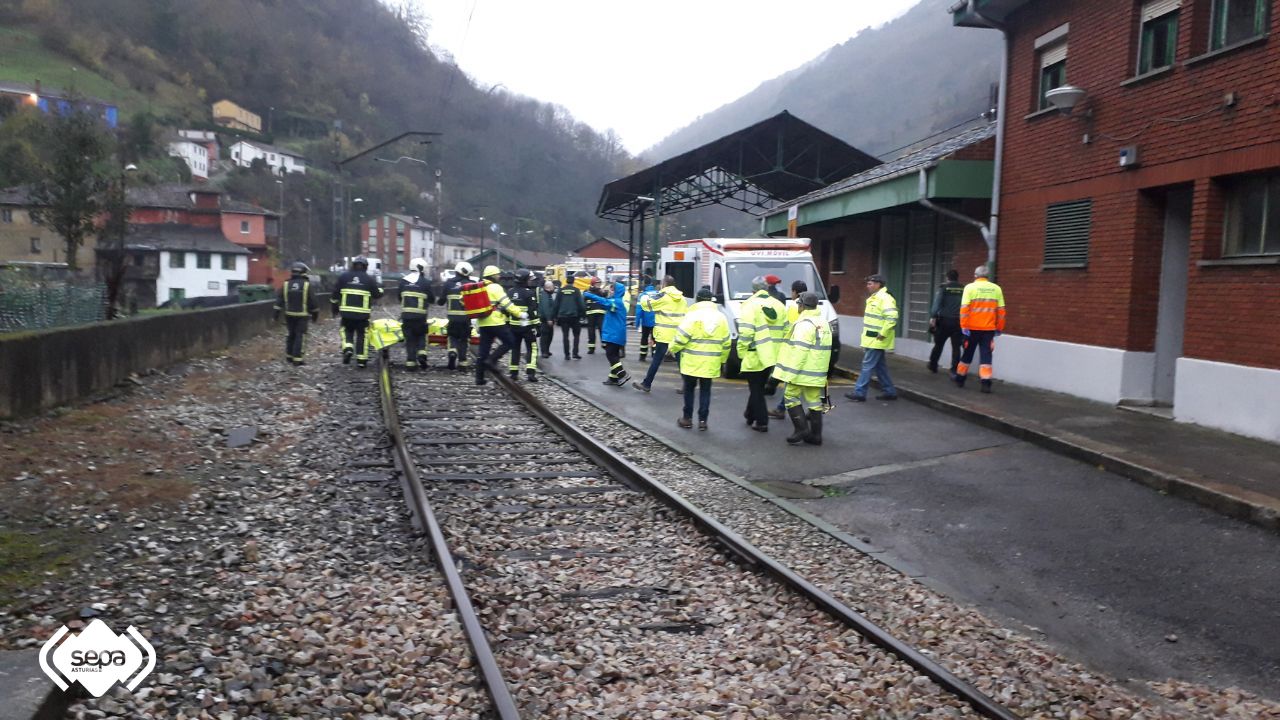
982, 306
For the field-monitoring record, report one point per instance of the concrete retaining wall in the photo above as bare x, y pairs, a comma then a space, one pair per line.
44, 369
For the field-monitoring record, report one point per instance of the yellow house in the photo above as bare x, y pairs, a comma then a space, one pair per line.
229, 114
22, 241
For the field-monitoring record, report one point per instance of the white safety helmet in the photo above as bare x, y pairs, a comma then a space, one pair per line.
463, 268
418, 264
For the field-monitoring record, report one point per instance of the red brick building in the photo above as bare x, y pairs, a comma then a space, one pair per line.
604, 247
1139, 236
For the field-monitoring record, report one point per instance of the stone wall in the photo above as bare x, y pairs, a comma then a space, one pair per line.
44, 369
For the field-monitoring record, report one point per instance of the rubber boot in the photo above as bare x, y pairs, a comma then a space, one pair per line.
800, 423
480, 367
531, 375
986, 386
815, 428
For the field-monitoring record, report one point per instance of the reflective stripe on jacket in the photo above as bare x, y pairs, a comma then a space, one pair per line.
761, 330
982, 306
415, 295
524, 298
668, 311
805, 358
453, 294
295, 297
502, 307
614, 329
702, 339
880, 317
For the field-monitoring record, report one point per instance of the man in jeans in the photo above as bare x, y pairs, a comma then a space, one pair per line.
879, 321
702, 340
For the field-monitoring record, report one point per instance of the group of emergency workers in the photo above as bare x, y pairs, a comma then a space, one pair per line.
778, 340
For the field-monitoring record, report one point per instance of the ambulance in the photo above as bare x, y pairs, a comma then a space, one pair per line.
727, 266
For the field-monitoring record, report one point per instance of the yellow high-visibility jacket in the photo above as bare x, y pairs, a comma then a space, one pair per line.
880, 317
761, 330
668, 310
805, 358
702, 340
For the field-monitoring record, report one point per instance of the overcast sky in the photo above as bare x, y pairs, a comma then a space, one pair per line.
644, 69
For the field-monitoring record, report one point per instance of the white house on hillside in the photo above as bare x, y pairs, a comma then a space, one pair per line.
194, 261
244, 152
193, 153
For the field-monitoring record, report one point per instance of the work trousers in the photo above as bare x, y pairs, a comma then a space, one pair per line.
704, 396
523, 336
757, 407
659, 352
502, 334
295, 341
613, 352
984, 343
810, 396
545, 333
568, 325
353, 336
415, 339
459, 332
646, 338
594, 321
946, 329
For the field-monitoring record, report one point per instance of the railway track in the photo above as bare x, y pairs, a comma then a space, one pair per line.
587, 587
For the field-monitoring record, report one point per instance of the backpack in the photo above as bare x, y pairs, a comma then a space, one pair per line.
475, 300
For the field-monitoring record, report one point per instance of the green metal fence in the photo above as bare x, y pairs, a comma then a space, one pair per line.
33, 307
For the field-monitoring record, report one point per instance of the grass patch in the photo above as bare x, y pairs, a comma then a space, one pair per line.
830, 491
29, 559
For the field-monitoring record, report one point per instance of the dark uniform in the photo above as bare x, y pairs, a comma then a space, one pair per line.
415, 296
353, 300
459, 328
524, 331
945, 316
298, 303
569, 311
595, 318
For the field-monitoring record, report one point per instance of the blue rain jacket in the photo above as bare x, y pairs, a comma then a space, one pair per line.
614, 329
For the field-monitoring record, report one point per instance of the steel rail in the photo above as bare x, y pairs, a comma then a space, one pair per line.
631, 473
504, 706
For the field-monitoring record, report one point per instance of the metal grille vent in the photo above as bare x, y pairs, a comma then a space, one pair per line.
1066, 233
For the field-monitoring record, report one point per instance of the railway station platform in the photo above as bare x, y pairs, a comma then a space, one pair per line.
1233, 475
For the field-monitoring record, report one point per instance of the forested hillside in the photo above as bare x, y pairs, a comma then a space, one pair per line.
313, 65
881, 90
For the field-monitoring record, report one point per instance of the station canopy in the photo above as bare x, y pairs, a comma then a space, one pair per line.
753, 169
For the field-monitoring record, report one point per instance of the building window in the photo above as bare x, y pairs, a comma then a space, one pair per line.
203, 260
177, 293
1051, 52
837, 256
177, 260
35, 246
244, 227
1234, 21
1253, 216
6, 216
1066, 234
1158, 42
228, 261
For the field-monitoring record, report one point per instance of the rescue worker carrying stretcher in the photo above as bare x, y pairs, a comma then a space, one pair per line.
493, 326
415, 296
524, 331
297, 302
353, 299
803, 365
459, 328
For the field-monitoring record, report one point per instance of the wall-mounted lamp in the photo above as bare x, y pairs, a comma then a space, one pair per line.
1065, 98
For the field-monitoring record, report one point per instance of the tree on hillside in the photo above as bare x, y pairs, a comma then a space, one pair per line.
111, 242
68, 196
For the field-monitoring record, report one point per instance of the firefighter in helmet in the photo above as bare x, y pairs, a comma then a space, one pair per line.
298, 303
459, 328
353, 299
524, 331
415, 296
494, 325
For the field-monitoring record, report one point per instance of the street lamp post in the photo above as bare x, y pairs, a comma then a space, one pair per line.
310, 249
352, 214
280, 182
